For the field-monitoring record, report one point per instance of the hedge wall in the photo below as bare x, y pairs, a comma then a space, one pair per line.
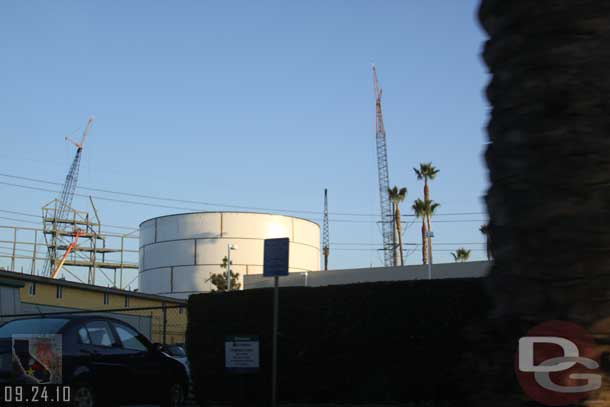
381, 342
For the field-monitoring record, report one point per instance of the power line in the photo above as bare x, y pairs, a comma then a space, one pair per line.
197, 209
20, 220
20, 213
204, 203
39, 216
333, 243
406, 243
366, 249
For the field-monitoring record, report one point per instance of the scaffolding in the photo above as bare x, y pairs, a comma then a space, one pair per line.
98, 258
61, 224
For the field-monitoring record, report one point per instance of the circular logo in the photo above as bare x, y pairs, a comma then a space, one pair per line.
556, 363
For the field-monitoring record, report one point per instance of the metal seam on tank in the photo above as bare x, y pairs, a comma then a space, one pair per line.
217, 265
214, 238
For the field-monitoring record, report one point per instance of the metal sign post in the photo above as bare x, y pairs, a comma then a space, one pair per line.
429, 235
276, 292
275, 265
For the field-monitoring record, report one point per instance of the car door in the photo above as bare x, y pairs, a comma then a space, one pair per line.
144, 363
109, 367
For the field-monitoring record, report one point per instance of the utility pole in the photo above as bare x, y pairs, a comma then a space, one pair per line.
325, 234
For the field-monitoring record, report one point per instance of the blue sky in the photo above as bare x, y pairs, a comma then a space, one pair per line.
259, 104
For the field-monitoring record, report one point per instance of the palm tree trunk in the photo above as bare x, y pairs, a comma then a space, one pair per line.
399, 230
394, 229
427, 199
424, 242
549, 166
429, 239
426, 190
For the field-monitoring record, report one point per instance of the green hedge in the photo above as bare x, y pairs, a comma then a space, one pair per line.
360, 343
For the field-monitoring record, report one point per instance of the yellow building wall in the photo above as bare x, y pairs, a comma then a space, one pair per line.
82, 299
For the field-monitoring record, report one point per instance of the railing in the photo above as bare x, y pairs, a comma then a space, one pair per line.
23, 249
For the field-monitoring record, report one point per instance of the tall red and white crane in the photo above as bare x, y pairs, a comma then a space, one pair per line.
387, 226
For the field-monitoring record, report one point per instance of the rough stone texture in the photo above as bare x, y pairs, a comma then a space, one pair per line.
549, 165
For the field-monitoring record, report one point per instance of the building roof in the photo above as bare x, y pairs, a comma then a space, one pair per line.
5, 282
11, 277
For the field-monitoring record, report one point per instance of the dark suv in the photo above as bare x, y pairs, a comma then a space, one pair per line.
105, 361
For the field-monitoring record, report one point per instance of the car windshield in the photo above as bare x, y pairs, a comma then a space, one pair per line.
175, 350
32, 326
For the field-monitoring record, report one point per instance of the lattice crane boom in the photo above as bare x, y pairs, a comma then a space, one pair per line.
69, 188
384, 180
58, 224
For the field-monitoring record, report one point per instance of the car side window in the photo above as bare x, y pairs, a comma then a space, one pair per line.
83, 336
99, 333
129, 338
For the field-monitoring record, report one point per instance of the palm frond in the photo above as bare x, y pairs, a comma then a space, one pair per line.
397, 195
426, 171
418, 173
419, 208
432, 207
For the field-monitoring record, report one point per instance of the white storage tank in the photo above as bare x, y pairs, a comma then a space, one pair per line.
179, 252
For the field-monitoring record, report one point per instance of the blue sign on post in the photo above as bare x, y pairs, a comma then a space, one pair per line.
276, 257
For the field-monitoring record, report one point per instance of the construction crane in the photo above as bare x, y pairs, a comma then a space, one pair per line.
325, 235
387, 231
67, 192
71, 247
62, 227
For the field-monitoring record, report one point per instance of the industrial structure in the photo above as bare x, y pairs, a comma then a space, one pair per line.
70, 242
325, 232
179, 253
112, 262
72, 237
387, 226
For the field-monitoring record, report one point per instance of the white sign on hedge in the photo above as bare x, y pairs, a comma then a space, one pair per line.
242, 354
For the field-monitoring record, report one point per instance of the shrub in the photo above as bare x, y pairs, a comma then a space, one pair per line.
380, 342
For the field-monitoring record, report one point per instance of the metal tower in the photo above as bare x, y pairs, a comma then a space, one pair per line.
67, 192
58, 217
384, 184
325, 235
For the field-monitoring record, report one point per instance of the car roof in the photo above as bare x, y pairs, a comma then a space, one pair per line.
70, 317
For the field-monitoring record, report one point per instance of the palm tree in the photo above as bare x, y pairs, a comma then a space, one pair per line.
419, 208
398, 196
484, 229
430, 207
461, 255
426, 172
548, 161
425, 209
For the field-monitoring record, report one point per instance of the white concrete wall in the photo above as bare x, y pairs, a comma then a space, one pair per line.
474, 269
179, 252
